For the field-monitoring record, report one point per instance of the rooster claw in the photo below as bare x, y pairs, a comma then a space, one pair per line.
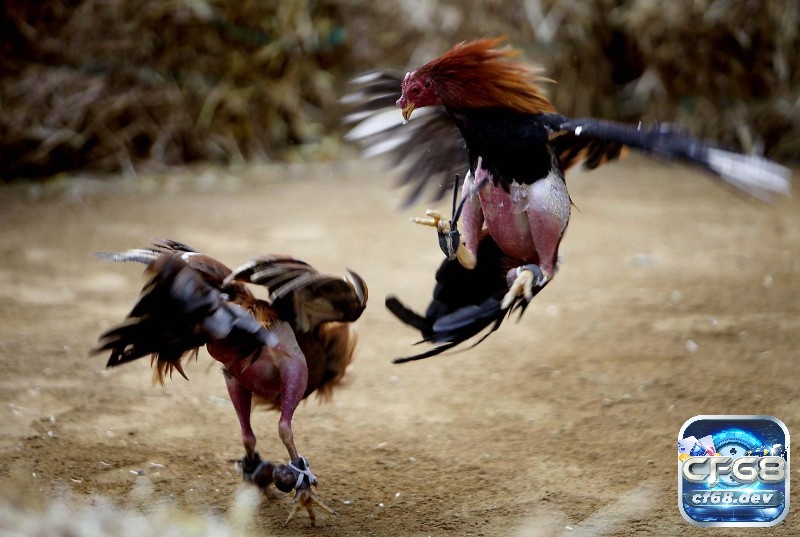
449, 237
434, 218
306, 498
521, 282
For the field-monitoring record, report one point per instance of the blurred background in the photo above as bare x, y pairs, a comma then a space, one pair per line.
114, 86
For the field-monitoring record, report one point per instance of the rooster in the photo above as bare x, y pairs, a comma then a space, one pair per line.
274, 352
484, 112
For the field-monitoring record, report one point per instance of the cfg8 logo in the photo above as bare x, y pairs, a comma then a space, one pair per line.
736, 474
744, 470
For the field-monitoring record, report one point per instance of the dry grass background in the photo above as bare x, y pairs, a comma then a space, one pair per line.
112, 85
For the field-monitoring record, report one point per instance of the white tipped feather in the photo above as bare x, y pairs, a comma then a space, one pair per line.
137, 255
351, 98
376, 123
355, 117
385, 146
358, 97
755, 175
366, 78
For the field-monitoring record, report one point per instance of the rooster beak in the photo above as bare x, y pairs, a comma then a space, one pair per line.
407, 109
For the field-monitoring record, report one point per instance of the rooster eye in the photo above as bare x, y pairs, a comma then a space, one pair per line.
427, 84
415, 90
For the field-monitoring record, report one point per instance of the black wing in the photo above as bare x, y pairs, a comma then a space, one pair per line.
429, 149
301, 295
598, 141
464, 304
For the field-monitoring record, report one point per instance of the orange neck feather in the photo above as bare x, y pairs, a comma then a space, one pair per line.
476, 74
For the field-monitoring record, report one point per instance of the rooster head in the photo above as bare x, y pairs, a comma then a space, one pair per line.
475, 74
417, 91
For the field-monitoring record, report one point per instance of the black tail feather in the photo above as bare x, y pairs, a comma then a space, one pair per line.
427, 354
464, 304
177, 312
410, 317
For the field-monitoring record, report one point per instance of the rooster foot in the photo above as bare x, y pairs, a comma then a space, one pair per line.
449, 237
297, 475
434, 218
257, 471
521, 281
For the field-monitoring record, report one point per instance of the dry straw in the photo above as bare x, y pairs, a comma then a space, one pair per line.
110, 85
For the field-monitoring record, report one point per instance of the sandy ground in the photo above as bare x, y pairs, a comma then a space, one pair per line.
675, 298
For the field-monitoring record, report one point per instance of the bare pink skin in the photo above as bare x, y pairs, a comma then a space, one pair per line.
279, 374
526, 223
418, 91
403, 100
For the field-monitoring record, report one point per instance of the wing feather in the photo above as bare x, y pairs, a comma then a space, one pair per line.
429, 149
178, 311
604, 140
301, 295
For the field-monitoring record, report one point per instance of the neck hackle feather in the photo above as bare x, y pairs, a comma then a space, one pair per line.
477, 74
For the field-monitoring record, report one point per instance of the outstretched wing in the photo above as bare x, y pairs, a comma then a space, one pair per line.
301, 295
178, 311
430, 149
597, 141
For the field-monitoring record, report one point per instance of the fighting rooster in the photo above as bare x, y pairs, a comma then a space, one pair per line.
483, 112
274, 352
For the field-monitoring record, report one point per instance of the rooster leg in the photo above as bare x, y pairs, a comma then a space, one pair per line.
253, 468
548, 211
471, 217
453, 243
293, 370
449, 238
291, 364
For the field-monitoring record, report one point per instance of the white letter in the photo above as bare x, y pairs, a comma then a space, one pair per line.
688, 474
771, 469
717, 466
744, 470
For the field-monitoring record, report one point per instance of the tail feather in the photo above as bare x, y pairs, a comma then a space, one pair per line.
467, 318
409, 316
464, 303
457, 327
138, 255
146, 255
177, 312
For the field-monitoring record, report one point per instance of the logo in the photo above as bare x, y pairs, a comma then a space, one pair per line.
733, 471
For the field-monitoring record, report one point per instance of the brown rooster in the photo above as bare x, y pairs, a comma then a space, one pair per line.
274, 352
482, 112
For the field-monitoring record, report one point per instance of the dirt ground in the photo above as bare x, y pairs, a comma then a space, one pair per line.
675, 298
